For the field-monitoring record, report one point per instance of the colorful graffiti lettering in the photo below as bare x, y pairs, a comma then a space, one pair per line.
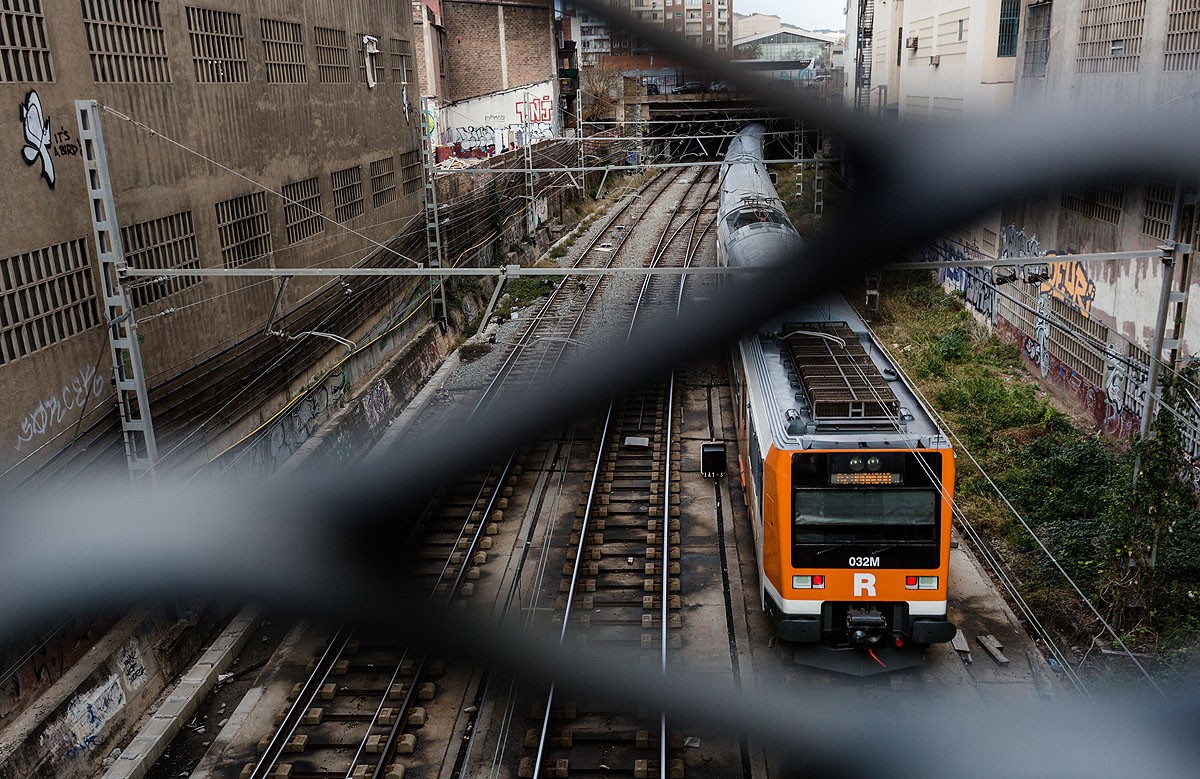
1070, 283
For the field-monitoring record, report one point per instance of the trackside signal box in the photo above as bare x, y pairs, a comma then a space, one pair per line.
712, 459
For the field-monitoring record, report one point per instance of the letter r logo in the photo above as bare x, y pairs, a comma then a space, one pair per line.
864, 584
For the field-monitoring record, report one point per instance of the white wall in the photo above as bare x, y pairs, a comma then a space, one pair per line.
496, 122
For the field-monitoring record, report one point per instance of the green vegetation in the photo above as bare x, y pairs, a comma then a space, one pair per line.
1134, 552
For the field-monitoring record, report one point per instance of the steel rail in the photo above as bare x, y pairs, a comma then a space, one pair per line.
562, 634
308, 694
529, 335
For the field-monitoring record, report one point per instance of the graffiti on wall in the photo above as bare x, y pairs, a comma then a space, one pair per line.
53, 412
1070, 283
1016, 243
38, 137
289, 432
377, 404
133, 666
539, 110
975, 284
77, 731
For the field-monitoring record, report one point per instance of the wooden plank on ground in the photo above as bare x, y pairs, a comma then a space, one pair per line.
959, 642
993, 648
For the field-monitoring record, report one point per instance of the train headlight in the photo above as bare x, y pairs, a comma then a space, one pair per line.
920, 582
857, 463
874, 463
808, 582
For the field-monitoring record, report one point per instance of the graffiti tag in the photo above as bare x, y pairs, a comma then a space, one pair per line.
37, 136
52, 411
1070, 283
132, 666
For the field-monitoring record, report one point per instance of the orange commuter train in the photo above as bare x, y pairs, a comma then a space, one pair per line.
848, 478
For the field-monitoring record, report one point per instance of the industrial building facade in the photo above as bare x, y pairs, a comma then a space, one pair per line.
1086, 327
255, 134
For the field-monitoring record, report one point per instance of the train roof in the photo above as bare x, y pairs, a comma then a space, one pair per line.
819, 381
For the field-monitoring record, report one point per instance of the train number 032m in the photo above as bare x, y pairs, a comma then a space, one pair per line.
864, 562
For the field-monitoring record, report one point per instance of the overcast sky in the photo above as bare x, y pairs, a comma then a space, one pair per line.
809, 14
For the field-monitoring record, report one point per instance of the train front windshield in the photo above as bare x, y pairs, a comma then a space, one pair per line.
824, 515
863, 502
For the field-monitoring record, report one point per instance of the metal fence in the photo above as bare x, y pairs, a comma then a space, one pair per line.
324, 545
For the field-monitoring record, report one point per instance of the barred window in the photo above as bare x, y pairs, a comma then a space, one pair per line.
218, 45
1037, 40
1074, 340
403, 68
1156, 220
1104, 201
125, 42
24, 50
283, 52
383, 181
47, 295
379, 72
1110, 36
410, 171
1183, 36
1010, 19
347, 193
168, 243
244, 229
333, 56
302, 214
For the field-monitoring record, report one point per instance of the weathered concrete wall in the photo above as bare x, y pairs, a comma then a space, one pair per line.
95, 705
53, 353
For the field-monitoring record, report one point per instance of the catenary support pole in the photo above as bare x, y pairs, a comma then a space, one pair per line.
129, 377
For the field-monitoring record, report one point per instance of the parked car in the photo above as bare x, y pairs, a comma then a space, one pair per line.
721, 86
651, 89
689, 88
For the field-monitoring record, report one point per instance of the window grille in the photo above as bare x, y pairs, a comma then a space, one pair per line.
403, 64
168, 243
299, 220
125, 42
1069, 342
333, 56
218, 45
361, 52
24, 50
1037, 41
244, 229
383, 181
1104, 201
1017, 304
1182, 50
48, 295
347, 193
1010, 20
410, 171
1110, 36
1156, 220
283, 52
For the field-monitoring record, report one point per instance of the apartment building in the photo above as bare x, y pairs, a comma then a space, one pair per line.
704, 24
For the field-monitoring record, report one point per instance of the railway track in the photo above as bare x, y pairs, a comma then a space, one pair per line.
620, 589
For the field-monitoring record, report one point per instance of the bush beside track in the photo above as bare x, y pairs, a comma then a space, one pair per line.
1073, 487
